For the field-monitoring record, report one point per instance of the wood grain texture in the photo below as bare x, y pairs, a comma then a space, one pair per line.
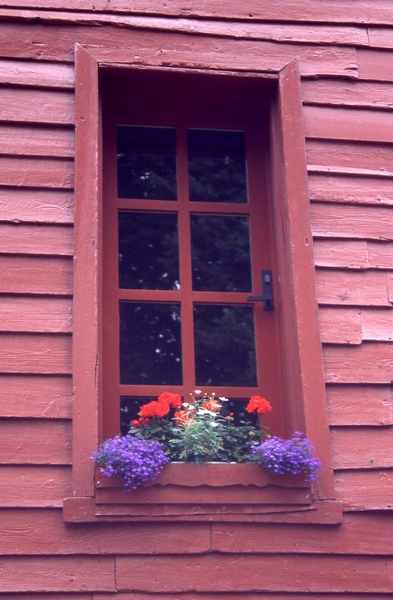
365, 288
367, 363
380, 37
333, 11
280, 32
35, 275
360, 404
166, 48
35, 314
56, 574
36, 206
348, 221
377, 325
340, 325
228, 596
25, 105
362, 447
217, 572
350, 189
36, 172
350, 155
348, 124
348, 538
35, 353
20, 140
365, 489
53, 240
36, 396
36, 74
375, 65
35, 442
42, 532
380, 255
336, 92
34, 486
341, 253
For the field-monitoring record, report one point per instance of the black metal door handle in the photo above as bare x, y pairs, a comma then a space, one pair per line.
267, 297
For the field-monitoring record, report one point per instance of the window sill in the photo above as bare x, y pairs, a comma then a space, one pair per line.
210, 492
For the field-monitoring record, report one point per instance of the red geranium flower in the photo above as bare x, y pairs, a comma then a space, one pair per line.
154, 409
258, 405
173, 400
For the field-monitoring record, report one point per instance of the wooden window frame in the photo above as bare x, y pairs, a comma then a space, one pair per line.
268, 499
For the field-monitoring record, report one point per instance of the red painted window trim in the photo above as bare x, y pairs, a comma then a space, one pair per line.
300, 348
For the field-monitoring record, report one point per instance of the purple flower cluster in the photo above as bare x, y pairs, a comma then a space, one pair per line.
287, 457
134, 460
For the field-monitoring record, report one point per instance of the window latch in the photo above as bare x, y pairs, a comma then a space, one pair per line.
267, 297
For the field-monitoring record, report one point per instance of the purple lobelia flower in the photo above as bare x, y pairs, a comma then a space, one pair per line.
287, 457
134, 460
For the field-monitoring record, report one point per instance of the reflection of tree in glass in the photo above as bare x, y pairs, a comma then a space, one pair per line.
146, 162
217, 166
224, 345
148, 250
150, 343
220, 253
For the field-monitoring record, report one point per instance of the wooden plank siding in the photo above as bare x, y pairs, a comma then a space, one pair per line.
345, 54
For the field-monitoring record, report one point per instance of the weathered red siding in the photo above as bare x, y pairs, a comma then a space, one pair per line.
345, 53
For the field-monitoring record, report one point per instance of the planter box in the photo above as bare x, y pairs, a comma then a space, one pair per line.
209, 489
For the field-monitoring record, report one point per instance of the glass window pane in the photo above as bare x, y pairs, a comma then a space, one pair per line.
217, 165
224, 345
148, 251
129, 409
146, 162
220, 253
150, 343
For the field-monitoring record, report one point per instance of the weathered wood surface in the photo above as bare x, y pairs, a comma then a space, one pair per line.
351, 188
55, 107
355, 325
42, 532
36, 172
34, 486
350, 155
35, 314
36, 396
338, 123
35, 442
345, 11
35, 275
280, 32
341, 254
36, 74
221, 573
360, 404
35, 353
348, 221
362, 447
53, 240
374, 65
364, 288
336, 92
367, 363
20, 140
36, 206
365, 489
201, 51
57, 574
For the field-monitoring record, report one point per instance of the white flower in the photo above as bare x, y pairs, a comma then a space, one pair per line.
223, 399
197, 392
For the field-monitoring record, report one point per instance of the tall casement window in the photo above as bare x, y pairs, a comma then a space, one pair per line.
187, 247
193, 270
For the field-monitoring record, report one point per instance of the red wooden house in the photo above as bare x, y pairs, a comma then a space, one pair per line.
302, 91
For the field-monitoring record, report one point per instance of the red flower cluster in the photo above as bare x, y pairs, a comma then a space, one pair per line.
142, 422
174, 400
258, 405
160, 408
181, 416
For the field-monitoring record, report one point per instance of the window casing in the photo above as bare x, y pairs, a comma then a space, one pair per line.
301, 377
